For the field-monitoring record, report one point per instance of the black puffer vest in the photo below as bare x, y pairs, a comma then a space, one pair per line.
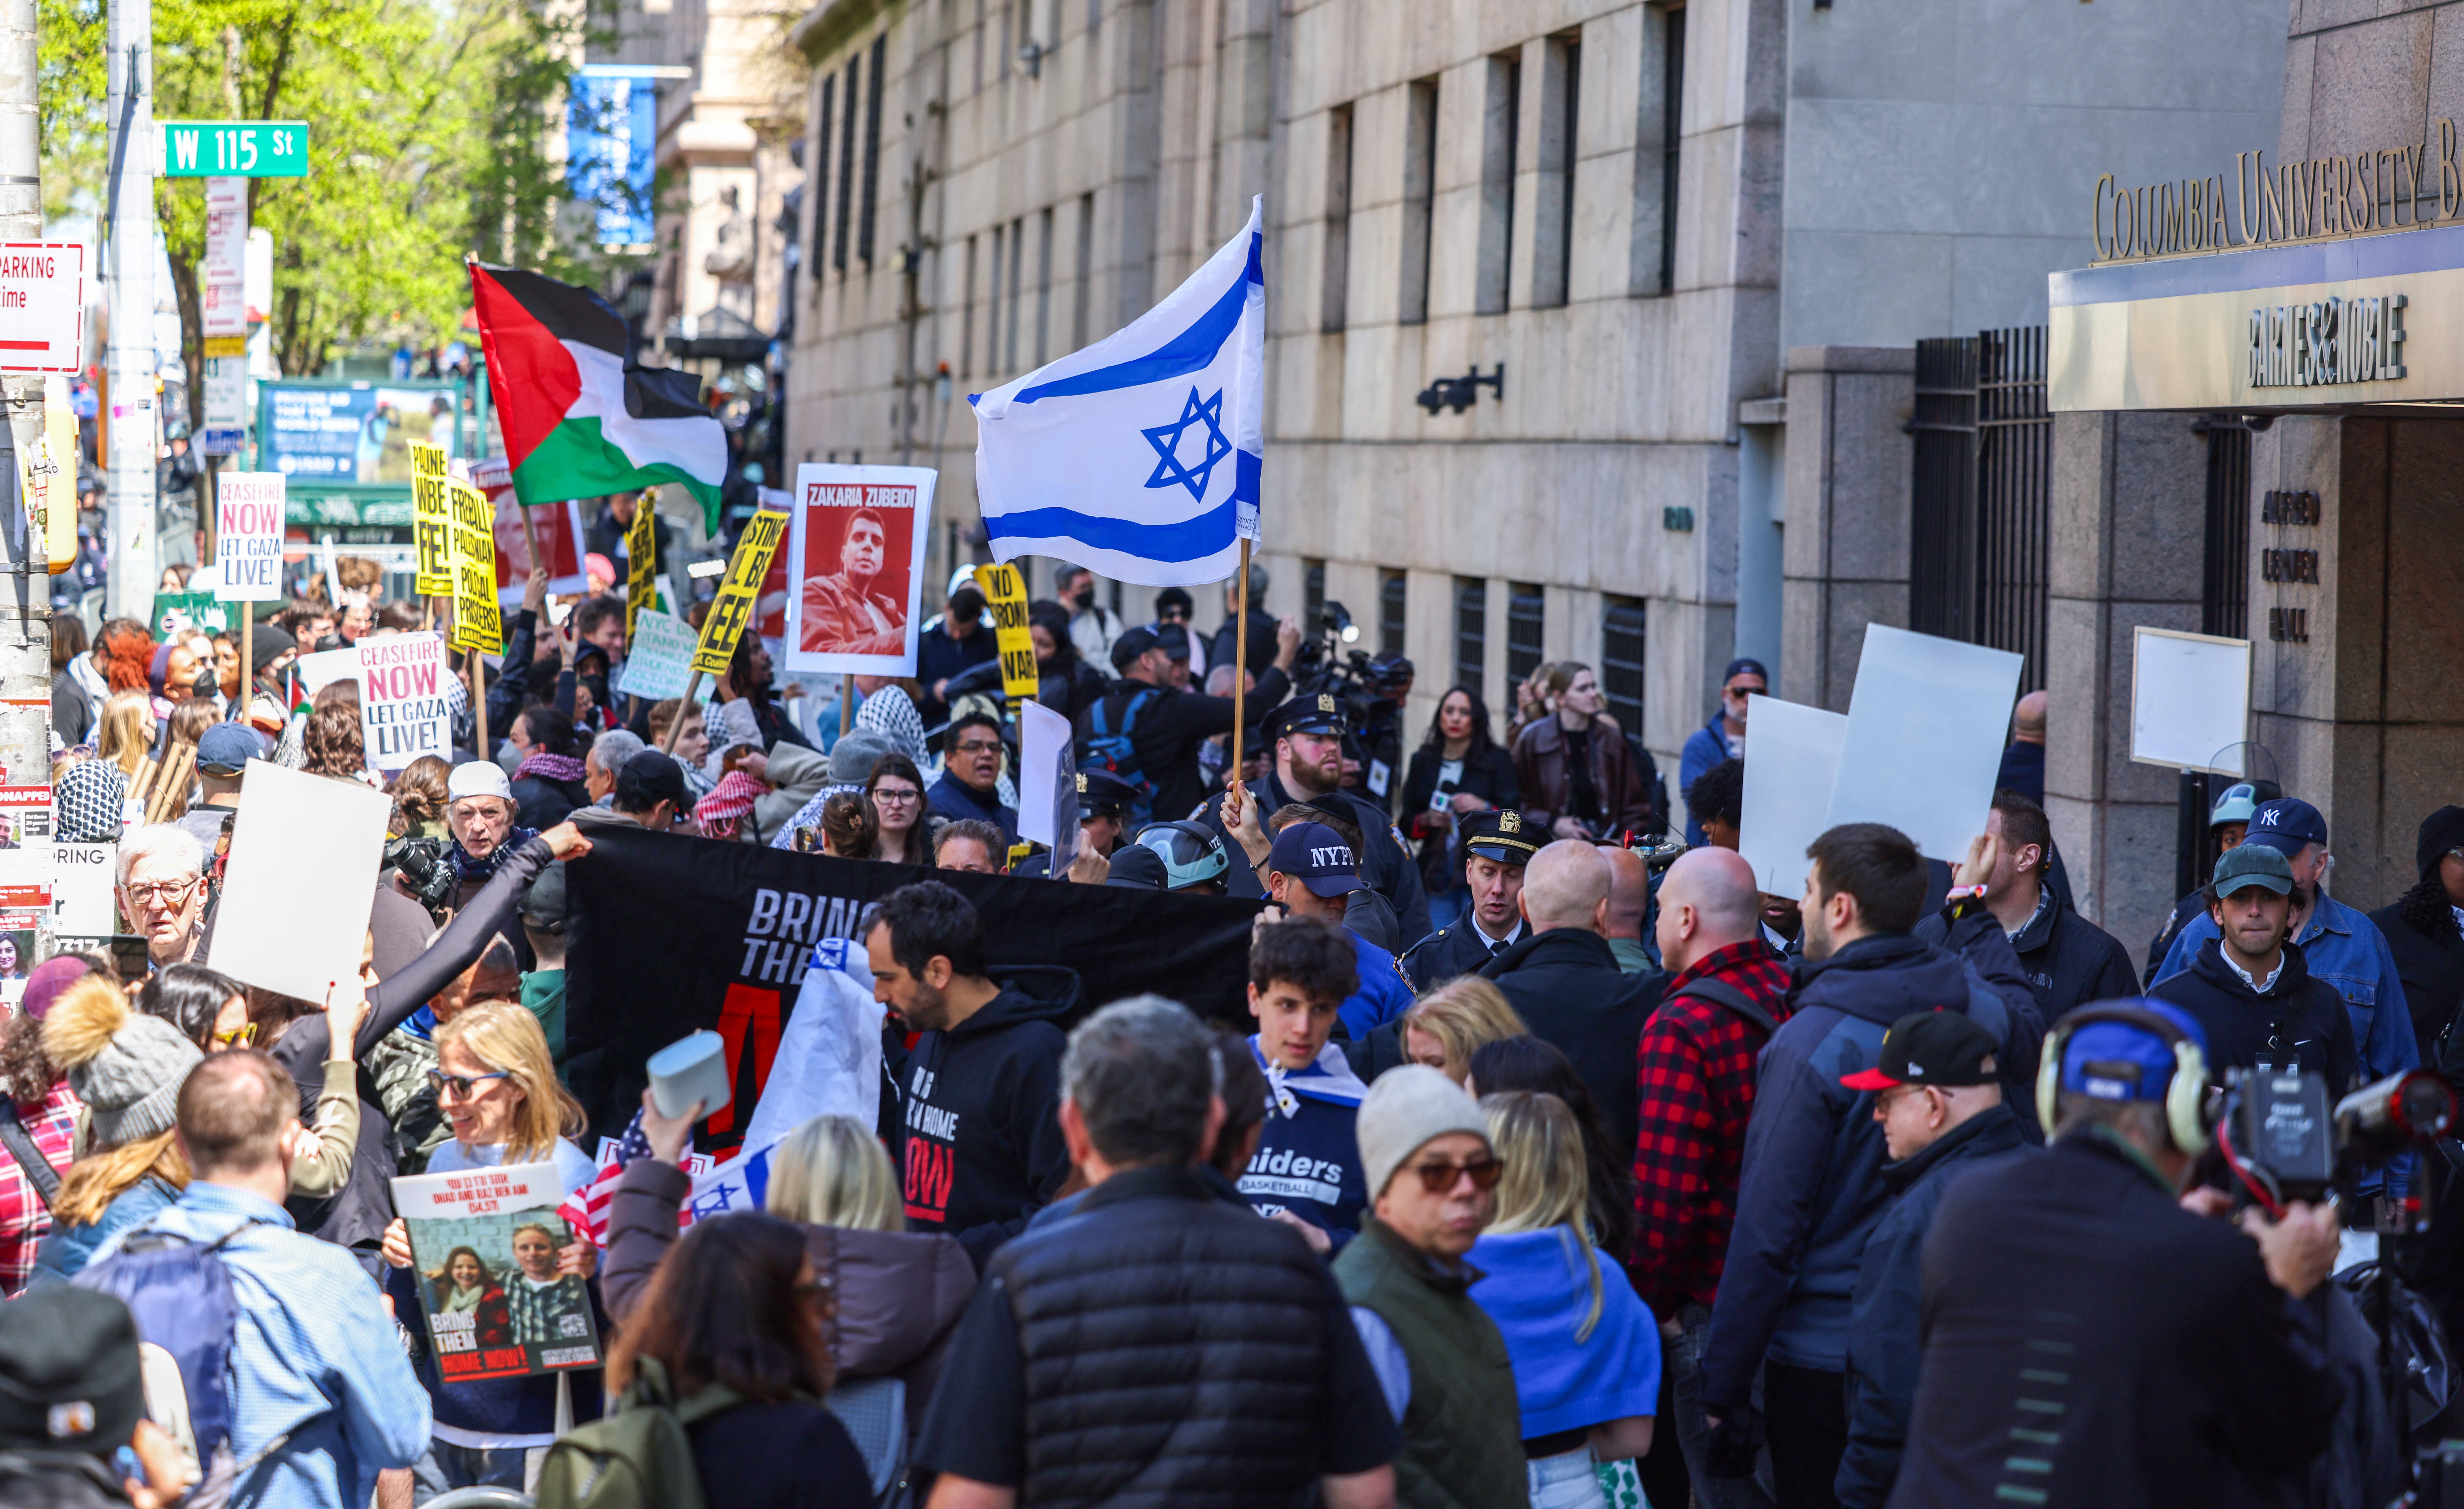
1176, 1349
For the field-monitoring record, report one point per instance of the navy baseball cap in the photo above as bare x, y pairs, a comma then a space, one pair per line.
227, 749
1172, 639
1744, 665
2123, 1060
1132, 643
1943, 1048
1317, 857
2288, 824
1138, 868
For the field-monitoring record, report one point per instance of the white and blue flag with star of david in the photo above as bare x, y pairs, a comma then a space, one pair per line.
1138, 458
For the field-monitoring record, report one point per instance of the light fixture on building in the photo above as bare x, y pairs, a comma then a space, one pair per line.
1459, 394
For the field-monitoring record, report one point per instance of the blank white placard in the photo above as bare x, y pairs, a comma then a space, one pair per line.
1792, 758
1048, 784
2190, 700
300, 880
1926, 726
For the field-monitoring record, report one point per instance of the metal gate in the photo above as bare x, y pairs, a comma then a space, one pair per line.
1980, 525
2224, 610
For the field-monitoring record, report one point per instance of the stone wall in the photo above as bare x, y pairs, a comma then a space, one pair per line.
1849, 466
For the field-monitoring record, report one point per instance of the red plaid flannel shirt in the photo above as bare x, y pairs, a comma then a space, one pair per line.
1696, 1081
23, 1220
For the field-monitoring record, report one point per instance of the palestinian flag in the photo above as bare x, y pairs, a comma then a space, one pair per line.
581, 419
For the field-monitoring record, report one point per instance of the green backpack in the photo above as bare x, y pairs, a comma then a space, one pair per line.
638, 1456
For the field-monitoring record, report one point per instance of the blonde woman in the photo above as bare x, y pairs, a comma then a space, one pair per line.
126, 1069
1444, 1026
1585, 1351
500, 1098
899, 1293
125, 732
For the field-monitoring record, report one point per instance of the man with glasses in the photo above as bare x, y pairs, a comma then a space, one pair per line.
970, 784
1437, 1356
163, 890
1724, 737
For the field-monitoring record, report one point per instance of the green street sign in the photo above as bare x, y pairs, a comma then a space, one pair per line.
234, 149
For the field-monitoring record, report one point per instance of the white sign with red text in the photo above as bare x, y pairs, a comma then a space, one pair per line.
404, 709
42, 306
248, 537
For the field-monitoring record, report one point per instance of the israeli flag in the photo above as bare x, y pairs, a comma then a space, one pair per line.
1138, 458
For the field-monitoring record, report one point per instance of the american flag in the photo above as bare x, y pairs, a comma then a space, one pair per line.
586, 1209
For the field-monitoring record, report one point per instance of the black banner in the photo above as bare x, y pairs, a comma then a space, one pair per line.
669, 934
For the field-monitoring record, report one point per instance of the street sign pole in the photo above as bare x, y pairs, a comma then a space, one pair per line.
130, 425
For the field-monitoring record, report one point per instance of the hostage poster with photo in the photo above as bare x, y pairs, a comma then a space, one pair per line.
856, 568
484, 1242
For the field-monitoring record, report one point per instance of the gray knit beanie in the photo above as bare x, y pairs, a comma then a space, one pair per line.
131, 1089
1405, 1108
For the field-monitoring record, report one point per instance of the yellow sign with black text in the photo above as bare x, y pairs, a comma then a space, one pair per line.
739, 592
1004, 589
477, 624
431, 523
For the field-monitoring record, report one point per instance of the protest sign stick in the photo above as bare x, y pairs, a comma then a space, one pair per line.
684, 705
846, 702
480, 700
1240, 661
247, 657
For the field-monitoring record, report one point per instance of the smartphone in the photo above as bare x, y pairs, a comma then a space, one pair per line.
128, 955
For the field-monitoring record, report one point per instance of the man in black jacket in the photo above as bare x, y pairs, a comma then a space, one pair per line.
974, 1103
1164, 725
1306, 737
2422, 930
1939, 1102
2088, 1339
1158, 1340
2068, 958
1566, 984
2249, 989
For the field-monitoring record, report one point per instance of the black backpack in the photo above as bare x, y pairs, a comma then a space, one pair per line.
1108, 747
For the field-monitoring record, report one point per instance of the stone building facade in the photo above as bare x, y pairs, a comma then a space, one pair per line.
1696, 237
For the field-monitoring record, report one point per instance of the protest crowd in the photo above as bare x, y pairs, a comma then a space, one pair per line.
1481, 1146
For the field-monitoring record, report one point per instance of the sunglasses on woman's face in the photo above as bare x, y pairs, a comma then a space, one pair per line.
239, 1036
461, 1087
1438, 1176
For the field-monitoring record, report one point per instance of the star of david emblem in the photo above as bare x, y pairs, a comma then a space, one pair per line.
1166, 441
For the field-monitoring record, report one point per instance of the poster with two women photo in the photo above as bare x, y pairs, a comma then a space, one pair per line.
487, 1244
855, 566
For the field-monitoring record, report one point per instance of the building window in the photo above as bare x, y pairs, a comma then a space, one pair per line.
1526, 616
1044, 287
822, 174
1672, 125
871, 152
1621, 646
846, 167
1502, 114
1313, 597
1393, 589
1471, 631
1017, 268
1080, 302
967, 316
981, 30
1337, 271
1554, 205
993, 306
1420, 195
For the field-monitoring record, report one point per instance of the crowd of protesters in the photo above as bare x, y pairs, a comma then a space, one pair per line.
1542, 1170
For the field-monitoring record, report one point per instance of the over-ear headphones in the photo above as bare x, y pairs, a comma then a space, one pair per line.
2185, 1095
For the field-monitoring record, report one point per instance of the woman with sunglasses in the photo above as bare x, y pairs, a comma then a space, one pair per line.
736, 1306
1433, 1178
498, 1091
1586, 1353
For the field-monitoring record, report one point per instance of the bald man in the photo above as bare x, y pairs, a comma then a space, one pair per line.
1728, 990
1564, 981
2023, 763
1629, 908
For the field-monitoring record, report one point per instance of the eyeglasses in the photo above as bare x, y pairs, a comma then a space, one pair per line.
169, 892
884, 797
1741, 692
239, 1036
978, 745
461, 1086
1439, 1178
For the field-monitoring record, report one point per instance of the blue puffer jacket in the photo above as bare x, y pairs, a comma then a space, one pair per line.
1812, 1188
68, 1248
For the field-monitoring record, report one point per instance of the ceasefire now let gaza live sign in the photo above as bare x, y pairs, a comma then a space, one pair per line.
233, 148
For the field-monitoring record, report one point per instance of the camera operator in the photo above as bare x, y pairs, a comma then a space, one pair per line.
2087, 1337
2249, 989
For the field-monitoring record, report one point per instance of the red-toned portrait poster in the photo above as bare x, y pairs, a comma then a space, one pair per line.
855, 566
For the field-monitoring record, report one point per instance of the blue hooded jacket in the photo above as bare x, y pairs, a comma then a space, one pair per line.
1812, 1189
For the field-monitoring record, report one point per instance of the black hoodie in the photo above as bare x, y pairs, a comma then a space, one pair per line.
2301, 1016
977, 1123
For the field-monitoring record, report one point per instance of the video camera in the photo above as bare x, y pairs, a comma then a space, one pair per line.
2281, 1140
425, 874
1366, 684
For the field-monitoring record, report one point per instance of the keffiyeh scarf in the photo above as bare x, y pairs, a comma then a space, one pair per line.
478, 872
554, 767
728, 804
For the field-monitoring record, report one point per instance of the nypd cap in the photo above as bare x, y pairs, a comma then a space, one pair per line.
1309, 712
1506, 837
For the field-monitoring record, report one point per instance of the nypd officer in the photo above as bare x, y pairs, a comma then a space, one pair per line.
1496, 847
1306, 737
1103, 820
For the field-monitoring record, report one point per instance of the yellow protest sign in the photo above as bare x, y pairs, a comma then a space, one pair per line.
431, 523
47, 477
642, 557
1005, 597
476, 623
739, 592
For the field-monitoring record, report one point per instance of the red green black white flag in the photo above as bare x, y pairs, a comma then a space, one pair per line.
581, 419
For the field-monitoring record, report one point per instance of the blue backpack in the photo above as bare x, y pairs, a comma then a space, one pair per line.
181, 1296
1110, 749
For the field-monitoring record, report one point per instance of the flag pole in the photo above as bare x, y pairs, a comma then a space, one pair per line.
1240, 661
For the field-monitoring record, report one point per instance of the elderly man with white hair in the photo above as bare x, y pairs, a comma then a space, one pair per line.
162, 889
605, 758
479, 811
1565, 982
